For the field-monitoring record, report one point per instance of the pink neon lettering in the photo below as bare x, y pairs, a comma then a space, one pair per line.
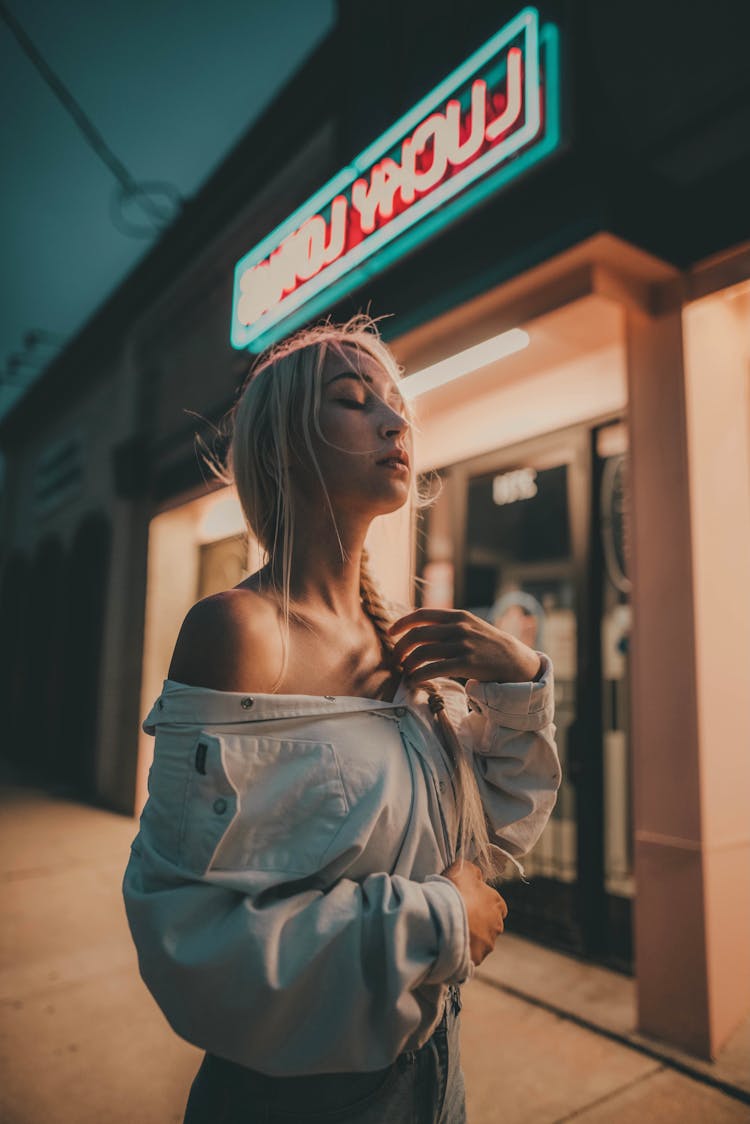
254, 287
299, 257
377, 197
514, 91
460, 153
313, 249
413, 179
309, 248
283, 262
336, 244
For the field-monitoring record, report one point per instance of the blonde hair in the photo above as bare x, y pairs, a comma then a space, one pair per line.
269, 425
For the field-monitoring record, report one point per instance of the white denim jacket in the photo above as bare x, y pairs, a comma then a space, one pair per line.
283, 891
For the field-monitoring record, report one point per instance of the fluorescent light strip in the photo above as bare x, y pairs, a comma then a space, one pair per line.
481, 355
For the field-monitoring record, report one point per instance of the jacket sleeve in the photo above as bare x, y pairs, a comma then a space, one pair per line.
510, 730
289, 978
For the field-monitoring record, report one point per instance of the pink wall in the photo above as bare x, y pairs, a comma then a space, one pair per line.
688, 375
670, 954
717, 381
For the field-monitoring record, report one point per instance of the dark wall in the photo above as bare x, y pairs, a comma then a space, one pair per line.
52, 618
656, 140
656, 97
656, 115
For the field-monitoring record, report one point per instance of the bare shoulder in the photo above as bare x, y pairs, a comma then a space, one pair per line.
228, 642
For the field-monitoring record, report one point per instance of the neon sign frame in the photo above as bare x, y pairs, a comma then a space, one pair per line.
292, 274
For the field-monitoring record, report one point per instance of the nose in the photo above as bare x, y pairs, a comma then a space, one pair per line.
395, 422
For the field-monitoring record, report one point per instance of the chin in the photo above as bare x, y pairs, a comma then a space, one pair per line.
383, 501
393, 503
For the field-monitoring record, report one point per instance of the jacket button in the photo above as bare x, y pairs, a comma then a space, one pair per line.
220, 805
246, 703
400, 711
441, 786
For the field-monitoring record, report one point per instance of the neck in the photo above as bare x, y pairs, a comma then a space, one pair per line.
322, 584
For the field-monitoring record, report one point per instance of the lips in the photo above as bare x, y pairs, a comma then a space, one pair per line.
397, 455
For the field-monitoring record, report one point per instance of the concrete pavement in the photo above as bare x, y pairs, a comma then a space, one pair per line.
545, 1038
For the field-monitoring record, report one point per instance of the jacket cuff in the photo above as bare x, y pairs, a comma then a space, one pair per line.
519, 706
453, 963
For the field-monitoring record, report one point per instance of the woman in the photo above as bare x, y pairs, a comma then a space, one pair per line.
308, 887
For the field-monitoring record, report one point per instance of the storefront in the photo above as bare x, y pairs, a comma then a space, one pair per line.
594, 468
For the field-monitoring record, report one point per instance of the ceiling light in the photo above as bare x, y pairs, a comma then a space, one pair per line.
482, 354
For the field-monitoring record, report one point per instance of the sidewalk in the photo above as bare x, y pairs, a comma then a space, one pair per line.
545, 1038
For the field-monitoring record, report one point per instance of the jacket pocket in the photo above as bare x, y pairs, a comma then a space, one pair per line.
261, 803
209, 806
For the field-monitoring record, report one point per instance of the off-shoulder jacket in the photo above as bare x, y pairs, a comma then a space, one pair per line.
284, 891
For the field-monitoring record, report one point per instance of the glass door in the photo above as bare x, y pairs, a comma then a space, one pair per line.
515, 538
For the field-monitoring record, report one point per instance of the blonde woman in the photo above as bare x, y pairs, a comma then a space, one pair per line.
327, 803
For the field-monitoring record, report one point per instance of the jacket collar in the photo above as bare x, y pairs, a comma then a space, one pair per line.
183, 704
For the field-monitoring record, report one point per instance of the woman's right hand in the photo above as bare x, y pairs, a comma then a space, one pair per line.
485, 908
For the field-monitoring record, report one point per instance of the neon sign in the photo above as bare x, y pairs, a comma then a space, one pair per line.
490, 120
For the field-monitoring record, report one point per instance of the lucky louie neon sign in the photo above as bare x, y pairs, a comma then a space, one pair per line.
491, 119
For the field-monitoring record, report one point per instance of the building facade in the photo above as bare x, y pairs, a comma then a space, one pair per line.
587, 190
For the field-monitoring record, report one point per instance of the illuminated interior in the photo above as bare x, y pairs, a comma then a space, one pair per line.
516, 554
573, 369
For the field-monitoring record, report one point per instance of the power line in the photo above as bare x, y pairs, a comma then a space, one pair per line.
11, 372
36, 337
129, 187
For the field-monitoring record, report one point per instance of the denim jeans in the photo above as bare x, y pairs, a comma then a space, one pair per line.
424, 1086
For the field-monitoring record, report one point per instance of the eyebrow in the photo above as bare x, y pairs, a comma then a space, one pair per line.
367, 379
350, 375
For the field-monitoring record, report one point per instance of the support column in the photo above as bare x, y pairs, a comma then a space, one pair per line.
687, 874
670, 944
717, 377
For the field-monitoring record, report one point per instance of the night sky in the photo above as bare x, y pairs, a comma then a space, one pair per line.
170, 86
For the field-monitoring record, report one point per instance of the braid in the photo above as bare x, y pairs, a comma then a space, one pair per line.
472, 822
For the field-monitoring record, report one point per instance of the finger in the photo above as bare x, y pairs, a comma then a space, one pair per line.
446, 668
435, 652
480, 951
421, 635
424, 616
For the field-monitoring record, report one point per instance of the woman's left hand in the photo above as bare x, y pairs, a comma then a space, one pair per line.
455, 643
